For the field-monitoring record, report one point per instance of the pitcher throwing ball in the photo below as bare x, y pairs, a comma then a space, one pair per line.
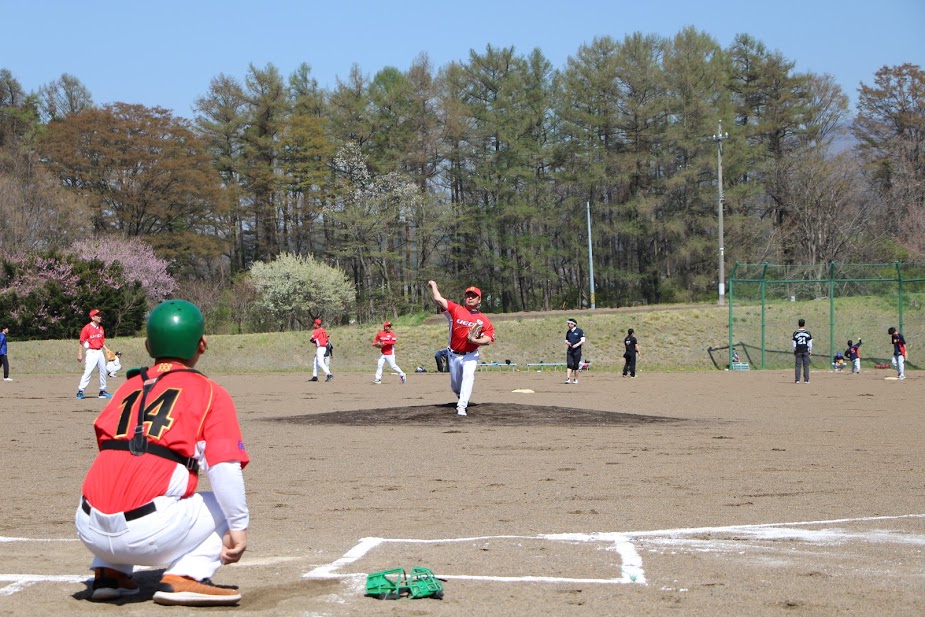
469, 330
139, 504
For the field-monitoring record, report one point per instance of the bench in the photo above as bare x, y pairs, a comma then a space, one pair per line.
553, 365
490, 365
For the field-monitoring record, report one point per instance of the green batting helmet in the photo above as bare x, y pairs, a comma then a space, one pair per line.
174, 330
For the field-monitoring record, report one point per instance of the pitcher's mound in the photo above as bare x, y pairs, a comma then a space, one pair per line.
490, 414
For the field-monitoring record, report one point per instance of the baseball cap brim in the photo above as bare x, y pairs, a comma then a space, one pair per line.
474, 290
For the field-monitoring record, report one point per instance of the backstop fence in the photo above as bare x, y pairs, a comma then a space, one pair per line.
839, 302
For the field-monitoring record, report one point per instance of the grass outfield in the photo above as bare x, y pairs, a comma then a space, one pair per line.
672, 338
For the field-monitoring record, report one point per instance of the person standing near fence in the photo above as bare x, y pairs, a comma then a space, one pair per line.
631, 346
802, 350
574, 339
3, 357
853, 353
899, 352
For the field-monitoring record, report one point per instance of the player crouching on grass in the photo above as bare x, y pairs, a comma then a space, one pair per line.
139, 504
469, 329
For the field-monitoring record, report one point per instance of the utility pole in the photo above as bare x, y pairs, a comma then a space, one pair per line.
590, 257
718, 138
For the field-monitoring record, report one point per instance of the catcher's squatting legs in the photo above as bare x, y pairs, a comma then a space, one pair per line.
462, 376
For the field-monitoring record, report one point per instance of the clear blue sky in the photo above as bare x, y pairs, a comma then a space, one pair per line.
165, 53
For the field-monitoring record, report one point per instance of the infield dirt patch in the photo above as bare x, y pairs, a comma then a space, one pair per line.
735, 492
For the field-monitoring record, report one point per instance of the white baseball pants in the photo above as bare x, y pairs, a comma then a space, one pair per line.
391, 360
93, 359
462, 376
320, 361
183, 534
899, 363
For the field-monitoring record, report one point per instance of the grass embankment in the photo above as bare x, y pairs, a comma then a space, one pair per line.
672, 338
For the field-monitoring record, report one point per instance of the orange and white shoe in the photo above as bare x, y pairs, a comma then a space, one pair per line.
176, 590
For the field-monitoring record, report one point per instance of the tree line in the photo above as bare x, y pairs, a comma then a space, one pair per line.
479, 172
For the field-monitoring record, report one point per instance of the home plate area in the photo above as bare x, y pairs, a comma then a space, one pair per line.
873, 546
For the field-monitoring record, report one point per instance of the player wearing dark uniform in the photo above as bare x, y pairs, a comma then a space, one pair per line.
802, 350
632, 351
853, 353
899, 352
574, 339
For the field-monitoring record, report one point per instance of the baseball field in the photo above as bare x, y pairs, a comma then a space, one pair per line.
694, 493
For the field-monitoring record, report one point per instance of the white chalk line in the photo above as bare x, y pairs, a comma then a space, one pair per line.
632, 568
18, 582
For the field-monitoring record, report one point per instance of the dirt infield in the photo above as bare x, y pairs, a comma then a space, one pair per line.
716, 493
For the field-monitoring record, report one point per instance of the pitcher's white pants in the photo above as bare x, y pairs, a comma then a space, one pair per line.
391, 360
462, 376
183, 534
93, 359
320, 361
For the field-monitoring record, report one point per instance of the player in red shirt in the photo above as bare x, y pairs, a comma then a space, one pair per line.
322, 356
139, 504
385, 340
93, 339
469, 329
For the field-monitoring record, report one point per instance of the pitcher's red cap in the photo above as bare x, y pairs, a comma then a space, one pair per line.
475, 290
387, 324
317, 322
94, 312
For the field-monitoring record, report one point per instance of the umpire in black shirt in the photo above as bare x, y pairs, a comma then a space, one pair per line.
574, 339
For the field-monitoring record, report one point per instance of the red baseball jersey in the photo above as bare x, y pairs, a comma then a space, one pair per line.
93, 335
388, 340
320, 336
186, 412
461, 319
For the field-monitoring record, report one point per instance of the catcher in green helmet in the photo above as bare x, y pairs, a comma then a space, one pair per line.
175, 331
139, 505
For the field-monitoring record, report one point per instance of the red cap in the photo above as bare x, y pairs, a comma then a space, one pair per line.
475, 290
387, 324
94, 312
317, 322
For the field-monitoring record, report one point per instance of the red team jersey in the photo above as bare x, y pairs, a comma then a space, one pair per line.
94, 335
388, 340
461, 319
186, 412
320, 337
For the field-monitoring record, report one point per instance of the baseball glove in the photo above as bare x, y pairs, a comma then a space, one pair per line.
110, 356
475, 330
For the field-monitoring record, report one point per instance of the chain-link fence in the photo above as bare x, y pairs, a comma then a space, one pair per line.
839, 302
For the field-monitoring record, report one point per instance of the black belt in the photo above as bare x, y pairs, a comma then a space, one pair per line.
458, 353
131, 515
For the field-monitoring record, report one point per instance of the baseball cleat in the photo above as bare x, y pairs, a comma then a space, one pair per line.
109, 584
403, 379
105, 394
461, 412
80, 394
7, 379
377, 381
176, 590
314, 379
329, 378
